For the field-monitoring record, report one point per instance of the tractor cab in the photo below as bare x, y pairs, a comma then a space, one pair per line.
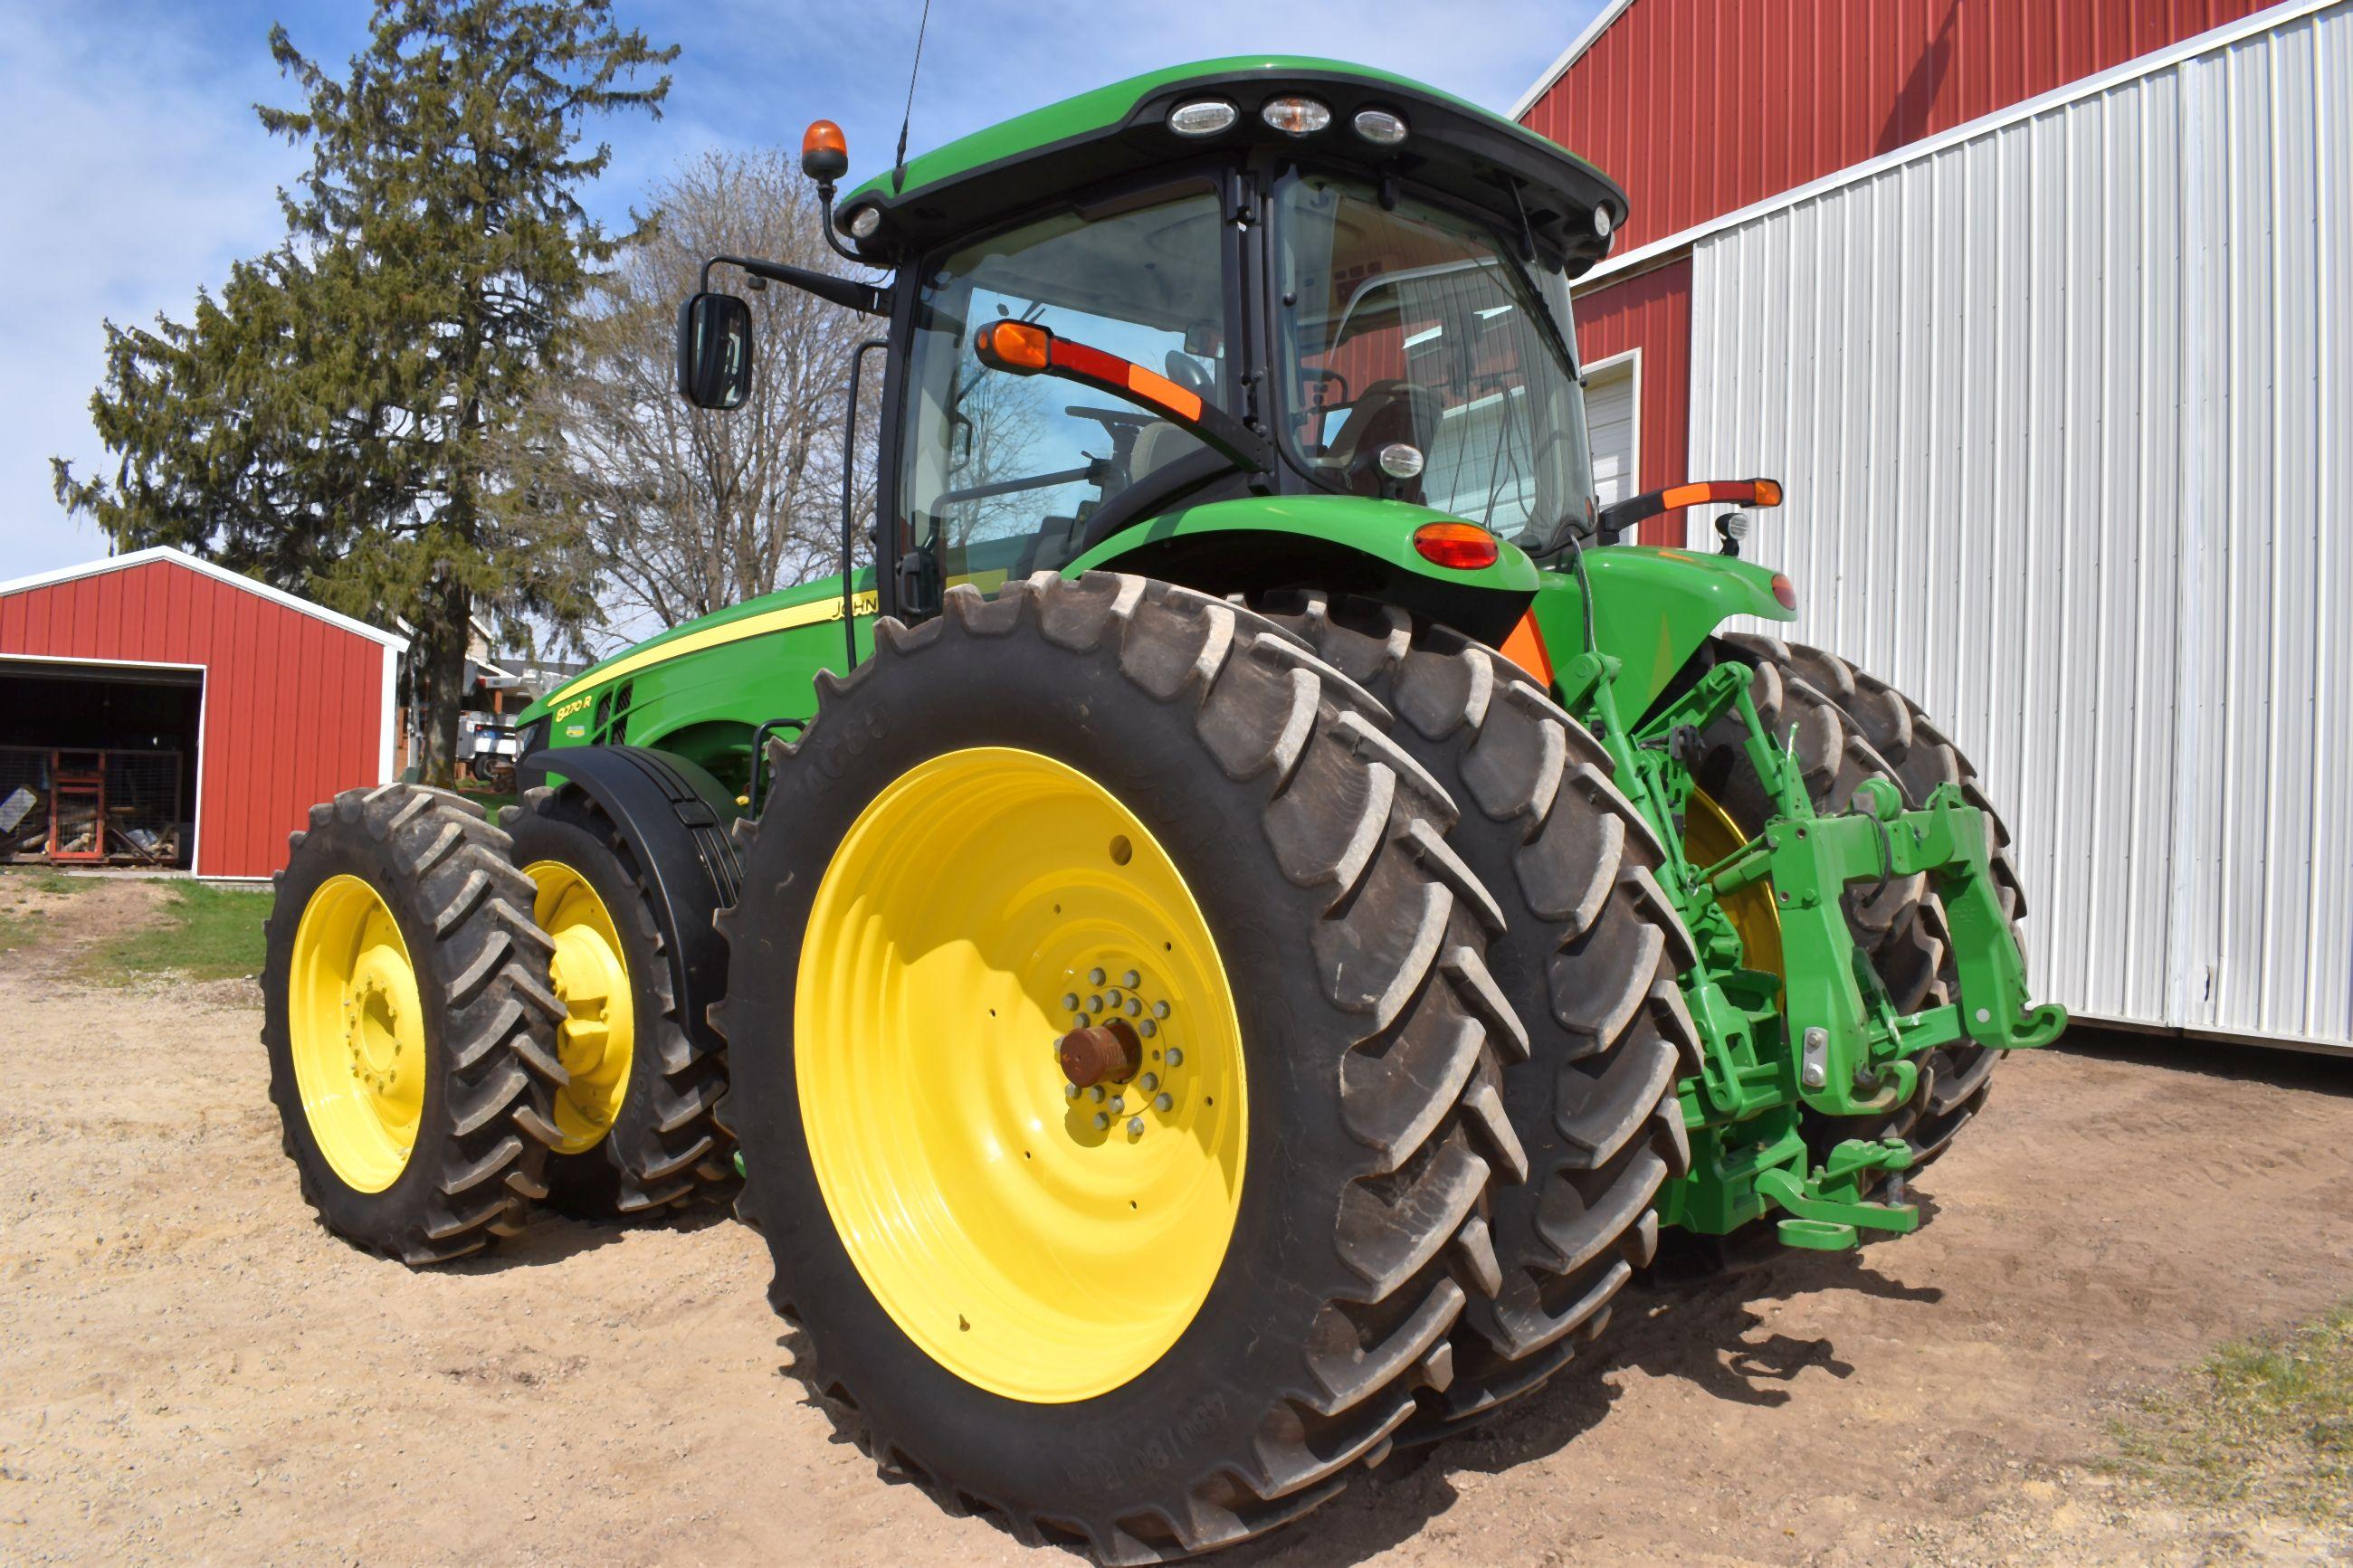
1237, 280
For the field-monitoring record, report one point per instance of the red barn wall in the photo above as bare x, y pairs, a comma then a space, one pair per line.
293, 706
1700, 107
1650, 312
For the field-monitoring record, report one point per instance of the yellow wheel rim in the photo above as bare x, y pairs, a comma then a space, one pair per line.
1045, 1247
357, 1033
1709, 836
591, 977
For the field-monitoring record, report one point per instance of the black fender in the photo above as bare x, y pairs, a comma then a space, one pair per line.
675, 817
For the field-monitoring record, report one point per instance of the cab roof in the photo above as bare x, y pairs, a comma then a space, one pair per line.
1471, 154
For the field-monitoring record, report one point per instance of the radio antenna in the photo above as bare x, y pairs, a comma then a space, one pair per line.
899, 166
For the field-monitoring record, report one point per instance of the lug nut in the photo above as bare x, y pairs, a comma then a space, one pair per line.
1102, 1120
1149, 1083
1112, 1000
1094, 976
1160, 1009
1100, 1093
1147, 1029
1135, 1127
1166, 1102
1175, 1056
1131, 980
1095, 1004
1134, 1007
1118, 1103
1070, 1001
1070, 1091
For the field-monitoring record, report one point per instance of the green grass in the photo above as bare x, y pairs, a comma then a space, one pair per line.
206, 934
2267, 1423
22, 926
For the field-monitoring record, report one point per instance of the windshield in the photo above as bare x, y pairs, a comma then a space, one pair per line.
1407, 325
1003, 472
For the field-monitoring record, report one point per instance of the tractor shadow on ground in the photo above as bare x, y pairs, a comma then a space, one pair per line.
1691, 1316
2285, 1067
553, 1237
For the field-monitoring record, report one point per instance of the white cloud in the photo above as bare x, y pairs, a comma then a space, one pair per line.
136, 173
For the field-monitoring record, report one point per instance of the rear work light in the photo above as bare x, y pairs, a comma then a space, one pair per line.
1203, 117
1456, 546
1380, 127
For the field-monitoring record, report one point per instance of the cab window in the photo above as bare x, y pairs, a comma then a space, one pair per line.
1002, 472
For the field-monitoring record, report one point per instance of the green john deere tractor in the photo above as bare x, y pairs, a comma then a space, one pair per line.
1218, 953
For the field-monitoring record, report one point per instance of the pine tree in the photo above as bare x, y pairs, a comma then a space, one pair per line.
338, 421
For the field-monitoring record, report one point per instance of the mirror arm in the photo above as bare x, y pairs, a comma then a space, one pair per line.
1211, 425
864, 298
1619, 516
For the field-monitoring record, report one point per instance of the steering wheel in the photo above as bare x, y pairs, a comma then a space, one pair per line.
1189, 372
1323, 376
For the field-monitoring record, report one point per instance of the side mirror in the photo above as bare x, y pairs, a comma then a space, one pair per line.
714, 350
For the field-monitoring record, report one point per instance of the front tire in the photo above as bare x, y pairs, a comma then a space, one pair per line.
410, 1034
967, 1249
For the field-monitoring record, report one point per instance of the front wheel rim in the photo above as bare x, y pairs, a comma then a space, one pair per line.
1046, 1242
590, 974
356, 1026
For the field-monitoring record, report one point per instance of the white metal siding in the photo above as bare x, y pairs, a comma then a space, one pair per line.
2066, 415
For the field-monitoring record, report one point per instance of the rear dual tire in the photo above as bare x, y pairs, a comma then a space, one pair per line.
1589, 957
1370, 1044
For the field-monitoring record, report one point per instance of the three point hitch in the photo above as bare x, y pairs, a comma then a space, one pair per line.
1820, 1035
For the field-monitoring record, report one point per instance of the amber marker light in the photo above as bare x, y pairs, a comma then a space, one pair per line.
1021, 347
1456, 546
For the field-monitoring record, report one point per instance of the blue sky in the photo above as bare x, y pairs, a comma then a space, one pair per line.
137, 172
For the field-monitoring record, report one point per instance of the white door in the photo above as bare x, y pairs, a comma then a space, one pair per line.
1610, 418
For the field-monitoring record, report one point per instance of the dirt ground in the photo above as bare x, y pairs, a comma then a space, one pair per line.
190, 1368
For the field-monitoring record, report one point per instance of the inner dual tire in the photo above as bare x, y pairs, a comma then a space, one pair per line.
634, 1124
1164, 1319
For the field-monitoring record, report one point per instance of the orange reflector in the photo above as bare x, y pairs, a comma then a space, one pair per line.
1456, 546
1159, 389
1785, 591
1525, 648
1014, 345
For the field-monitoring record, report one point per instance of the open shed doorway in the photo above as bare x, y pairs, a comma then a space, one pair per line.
98, 762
